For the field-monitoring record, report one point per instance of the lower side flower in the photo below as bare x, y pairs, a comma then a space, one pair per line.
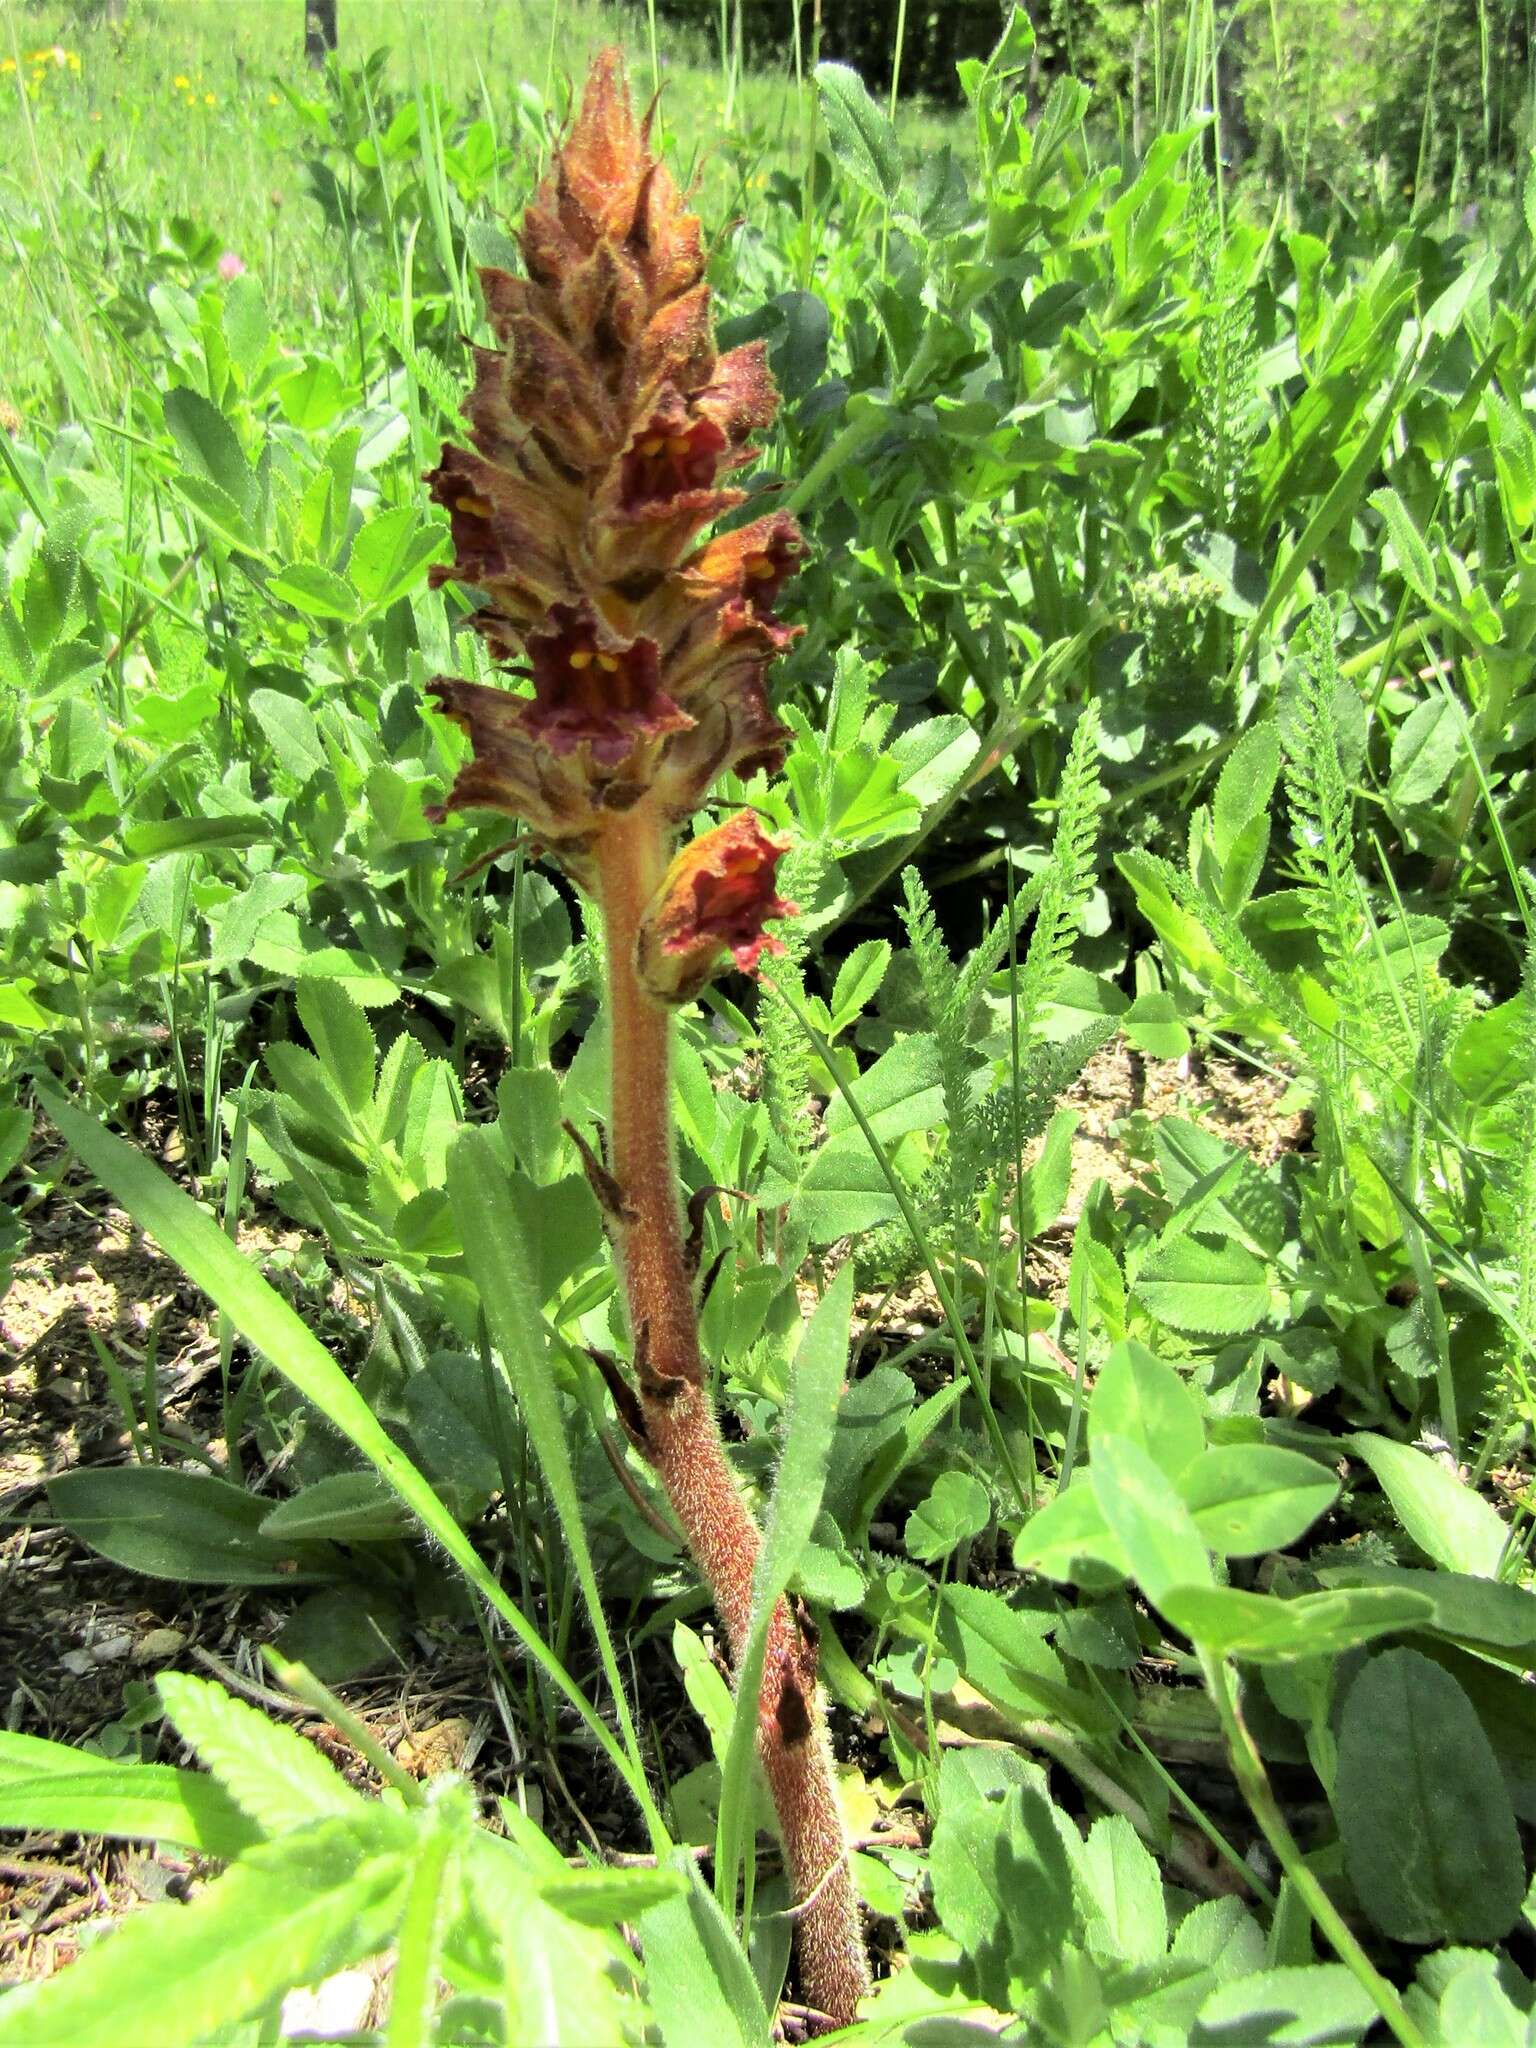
713, 903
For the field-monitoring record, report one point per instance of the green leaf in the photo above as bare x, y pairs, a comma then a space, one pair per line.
1245, 786
318, 593
127, 1803
246, 328
209, 445
342, 1038
1205, 1285
1447, 1520
346, 1507
1429, 1835
391, 555
1001, 1650
1154, 1528
203, 1251
861, 135
901, 1092
1143, 1401
957, 1508
1125, 1914
291, 732
1476, 1610
1003, 1888
1414, 561
1249, 1498
1425, 749
291, 1913
858, 981
1047, 1179
698, 1980
270, 1771
1067, 1533
810, 1421
1265, 1630
179, 835
171, 1524
1318, 2005
497, 1257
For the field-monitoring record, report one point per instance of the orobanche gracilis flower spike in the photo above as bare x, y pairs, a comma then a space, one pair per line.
604, 432
605, 429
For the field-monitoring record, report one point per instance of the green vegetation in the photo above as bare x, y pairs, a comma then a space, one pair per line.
1166, 696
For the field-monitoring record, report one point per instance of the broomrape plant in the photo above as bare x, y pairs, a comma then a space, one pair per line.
602, 430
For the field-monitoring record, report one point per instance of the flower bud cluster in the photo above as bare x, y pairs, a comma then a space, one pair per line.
604, 429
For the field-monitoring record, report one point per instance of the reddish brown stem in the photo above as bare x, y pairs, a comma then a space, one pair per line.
682, 1435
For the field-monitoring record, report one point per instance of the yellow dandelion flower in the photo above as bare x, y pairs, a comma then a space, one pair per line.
72, 59
39, 56
210, 99
274, 99
7, 66
190, 100
181, 82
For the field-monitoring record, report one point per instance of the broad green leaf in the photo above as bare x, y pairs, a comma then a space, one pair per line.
1446, 1519
1124, 1911
1478, 1610
1067, 1533
318, 593
1317, 2005
1245, 785
1143, 1401
901, 1092
277, 1777
1264, 1629
1047, 1179
1249, 1498
861, 135
1150, 1522
1001, 1650
858, 981
391, 555
291, 732
698, 1979
1429, 1836
126, 1803
1425, 749
345, 1507
289, 1913
1207, 1286
957, 1507
208, 443
1414, 561
176, 835
246, 328
1003, 1888
172, 1524
342, 1038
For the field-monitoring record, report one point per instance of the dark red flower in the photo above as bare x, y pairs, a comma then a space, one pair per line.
713, 901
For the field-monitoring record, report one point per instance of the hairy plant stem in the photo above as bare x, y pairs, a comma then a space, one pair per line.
681, 1436
1253, 1782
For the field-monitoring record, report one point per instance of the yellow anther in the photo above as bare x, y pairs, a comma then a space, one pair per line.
479, 508
653, 444
582, 658
609, 662
678, 444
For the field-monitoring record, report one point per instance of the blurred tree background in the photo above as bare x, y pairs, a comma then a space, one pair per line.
1332, 97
